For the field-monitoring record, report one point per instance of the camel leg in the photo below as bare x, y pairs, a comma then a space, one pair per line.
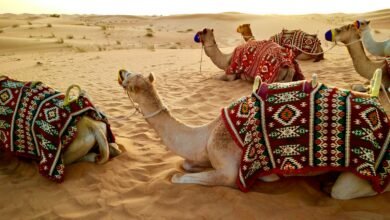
226, 77
286, 75
350, 186
114, 150
224, 156
270, 178
191, 166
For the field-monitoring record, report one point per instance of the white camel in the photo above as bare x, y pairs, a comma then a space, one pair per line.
381, 49
89, 133
210, 154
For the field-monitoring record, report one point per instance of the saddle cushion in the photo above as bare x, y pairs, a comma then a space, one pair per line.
34, 123
297, 39
294, 129
264, 59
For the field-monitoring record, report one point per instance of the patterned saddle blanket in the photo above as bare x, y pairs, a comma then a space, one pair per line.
34, 123
293, 128
264, 59
297, 38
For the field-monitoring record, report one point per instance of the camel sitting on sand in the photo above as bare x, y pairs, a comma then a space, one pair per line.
297, 128
266, 59
381, 49
349, 35
40, 123
306, 46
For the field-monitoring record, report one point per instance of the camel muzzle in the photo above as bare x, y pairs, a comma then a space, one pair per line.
123, 75
330, 35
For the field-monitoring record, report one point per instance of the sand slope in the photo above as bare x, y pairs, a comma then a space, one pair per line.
136, 184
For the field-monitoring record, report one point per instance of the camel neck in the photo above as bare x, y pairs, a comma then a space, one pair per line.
363, 65
220, 59
177, 136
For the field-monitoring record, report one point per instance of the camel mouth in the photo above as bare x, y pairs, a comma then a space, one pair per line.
330, 35
123, 75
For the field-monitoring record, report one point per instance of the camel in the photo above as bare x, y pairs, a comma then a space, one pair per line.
246, 32
283, 39
381, 49
91, 129
211, 155
279, 65
349, 35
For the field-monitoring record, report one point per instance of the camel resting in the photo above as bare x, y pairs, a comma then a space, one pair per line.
40, 123
266, 59
281, 129
350, 36
305, 46
381, 49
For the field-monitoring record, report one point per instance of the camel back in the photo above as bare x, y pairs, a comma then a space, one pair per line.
297, 38
36, 124
295, 128
262, 58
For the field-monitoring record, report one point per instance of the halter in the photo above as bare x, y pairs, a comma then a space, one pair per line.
136, 107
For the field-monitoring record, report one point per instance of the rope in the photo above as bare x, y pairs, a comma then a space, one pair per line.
201, 59
67, 100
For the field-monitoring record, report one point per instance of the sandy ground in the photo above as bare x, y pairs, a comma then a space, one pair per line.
89, 50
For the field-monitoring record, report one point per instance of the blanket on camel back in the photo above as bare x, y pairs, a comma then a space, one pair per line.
297, 39
34, 123
264, 59
292, 128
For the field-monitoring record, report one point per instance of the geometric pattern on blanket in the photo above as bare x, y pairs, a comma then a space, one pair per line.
262, 58
34, 123
299, 39
292, 128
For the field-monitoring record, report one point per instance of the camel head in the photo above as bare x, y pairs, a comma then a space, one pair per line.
206, 37
244, 29
346, 34
362, 25
138, 87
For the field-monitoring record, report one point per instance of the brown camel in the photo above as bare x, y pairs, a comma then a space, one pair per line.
282, 72
350, 36
288, 37
91, 129
211, 156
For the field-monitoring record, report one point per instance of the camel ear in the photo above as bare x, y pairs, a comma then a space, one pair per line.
368, 22
212, 30
151, 77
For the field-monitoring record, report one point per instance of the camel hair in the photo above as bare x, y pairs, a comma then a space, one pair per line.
211, 157
222, 60
246, 32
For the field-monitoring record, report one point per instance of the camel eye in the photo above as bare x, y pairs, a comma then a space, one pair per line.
337, 30
204, 31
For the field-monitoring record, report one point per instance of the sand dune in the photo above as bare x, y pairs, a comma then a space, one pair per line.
136, 185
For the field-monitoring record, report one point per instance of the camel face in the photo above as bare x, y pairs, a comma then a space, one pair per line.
362, 25
244, 28
345, 34
207, 36
135, 83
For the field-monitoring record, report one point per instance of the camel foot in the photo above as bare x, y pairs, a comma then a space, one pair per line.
209, 178
350, 186
90, 157
114, 150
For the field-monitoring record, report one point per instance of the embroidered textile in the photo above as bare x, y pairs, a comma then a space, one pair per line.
292, 128
34, 123
297, 38
264, 59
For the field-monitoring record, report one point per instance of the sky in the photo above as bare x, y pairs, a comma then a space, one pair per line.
169, 7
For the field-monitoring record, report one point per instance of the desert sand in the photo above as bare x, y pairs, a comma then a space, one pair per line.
89, 51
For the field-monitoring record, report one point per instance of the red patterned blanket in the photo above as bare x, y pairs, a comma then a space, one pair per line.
297, 38
264, 59
292, 128
34, 123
